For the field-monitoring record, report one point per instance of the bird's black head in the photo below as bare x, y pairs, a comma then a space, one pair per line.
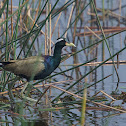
61, 42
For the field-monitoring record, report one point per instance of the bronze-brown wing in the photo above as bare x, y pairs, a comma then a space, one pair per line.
29, 66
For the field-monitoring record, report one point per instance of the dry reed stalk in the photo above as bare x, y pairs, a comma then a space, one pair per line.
43, 32
93, 14
71, 12
56, 24
59, 82
70, 18
123, 62
66, 91
50, 55
92, 32
35, 14
119, 24
104, 27
124, 111
94, 47
46, 45
50, 30
45, 92
13, 114
110, 13
23, 9
104, 94
107, 12
2, 18
103, 33
29, 16
108, 95
97, 108
106, 31
68, 56
59, 31
37, 86
11, 20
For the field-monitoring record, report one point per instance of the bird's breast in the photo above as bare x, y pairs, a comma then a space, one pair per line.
50, 64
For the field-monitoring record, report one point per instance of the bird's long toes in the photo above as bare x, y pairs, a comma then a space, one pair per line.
27, 98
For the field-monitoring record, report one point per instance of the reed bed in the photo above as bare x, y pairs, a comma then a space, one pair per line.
77, 91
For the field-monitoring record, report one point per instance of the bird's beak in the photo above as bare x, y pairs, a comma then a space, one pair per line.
70, 44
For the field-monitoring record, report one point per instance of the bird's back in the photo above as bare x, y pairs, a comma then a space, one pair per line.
50, 66
27, 67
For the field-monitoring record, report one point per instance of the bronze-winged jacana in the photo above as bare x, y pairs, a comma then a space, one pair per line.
36, 67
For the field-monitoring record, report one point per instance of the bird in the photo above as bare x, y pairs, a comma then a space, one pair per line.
36, 67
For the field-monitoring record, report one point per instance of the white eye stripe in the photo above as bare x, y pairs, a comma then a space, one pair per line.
61, 39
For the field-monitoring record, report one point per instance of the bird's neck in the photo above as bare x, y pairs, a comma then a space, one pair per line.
57, 56
57, 53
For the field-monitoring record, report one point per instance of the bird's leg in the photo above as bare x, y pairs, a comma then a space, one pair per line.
10, 86
25, 97
25, 86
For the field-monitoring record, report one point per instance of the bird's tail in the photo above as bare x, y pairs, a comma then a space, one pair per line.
1, 64
4, 63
